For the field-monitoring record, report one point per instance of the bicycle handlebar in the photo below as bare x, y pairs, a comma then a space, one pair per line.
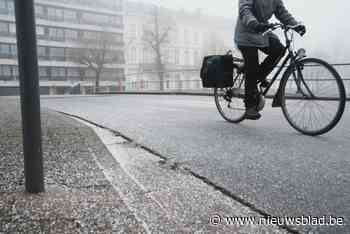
275, 26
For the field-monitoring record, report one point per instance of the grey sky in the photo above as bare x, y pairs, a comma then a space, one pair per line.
326, 21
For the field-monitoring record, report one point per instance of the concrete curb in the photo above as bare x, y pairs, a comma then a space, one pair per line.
166, 196
209, 93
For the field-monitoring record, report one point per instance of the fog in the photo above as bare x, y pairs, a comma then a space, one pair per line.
328, 29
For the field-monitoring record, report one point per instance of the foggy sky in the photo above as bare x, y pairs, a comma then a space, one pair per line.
327, 22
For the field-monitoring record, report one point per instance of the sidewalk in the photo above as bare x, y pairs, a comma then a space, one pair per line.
97, 182
78, 197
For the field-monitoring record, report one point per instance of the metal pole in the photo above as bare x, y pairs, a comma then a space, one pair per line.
30, 98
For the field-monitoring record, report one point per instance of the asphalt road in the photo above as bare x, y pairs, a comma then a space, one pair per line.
265, 162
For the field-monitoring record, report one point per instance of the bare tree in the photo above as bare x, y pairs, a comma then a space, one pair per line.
155, 36
98, 52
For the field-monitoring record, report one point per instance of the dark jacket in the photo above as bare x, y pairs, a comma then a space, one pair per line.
261, 11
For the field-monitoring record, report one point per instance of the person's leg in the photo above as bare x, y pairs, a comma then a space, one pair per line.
251, 68
275, 52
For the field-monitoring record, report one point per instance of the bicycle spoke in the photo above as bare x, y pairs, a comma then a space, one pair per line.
321, 96
231, 108
317, 119
296, 112
301, 110
324, 113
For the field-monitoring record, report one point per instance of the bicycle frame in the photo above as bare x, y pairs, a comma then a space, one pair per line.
274, 78
290, 57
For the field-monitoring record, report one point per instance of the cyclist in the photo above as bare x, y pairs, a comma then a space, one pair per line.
252, 22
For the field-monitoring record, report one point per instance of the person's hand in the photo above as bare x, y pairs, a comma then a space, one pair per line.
263, 27
301, 29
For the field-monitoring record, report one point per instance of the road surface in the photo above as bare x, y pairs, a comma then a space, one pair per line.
266, 163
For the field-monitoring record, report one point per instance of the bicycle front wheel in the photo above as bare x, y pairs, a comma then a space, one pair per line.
313, 96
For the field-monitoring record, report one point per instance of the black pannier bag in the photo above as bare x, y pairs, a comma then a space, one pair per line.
217, 71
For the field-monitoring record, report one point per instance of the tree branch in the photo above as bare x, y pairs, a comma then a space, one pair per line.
164, 35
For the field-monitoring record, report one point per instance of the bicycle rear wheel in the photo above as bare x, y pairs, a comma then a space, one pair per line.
313, 96
230, 101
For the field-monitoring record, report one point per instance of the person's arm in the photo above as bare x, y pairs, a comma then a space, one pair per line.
286, 18
248, 18
283, 15
246, 13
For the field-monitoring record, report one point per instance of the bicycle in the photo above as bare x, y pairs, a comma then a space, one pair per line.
306, 86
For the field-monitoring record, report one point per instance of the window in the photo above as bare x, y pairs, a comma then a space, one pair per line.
58, 73
73, 72
41, 52
42, 71
56, 54
174, 34
90, 35
11, 6
132, 31
115, 20
56, 33
118, 4
3, 5
177, 56
2, 76
13, 50
186, 59
40, 31
147, 55
55, 13
185, 36
70, 16
12, 28
51, 13
196, 37
95, 18
15, 72
43, 74
40, 11
120, 56
132, 58
72, 54
195, 58
118, 38
6, 70
5, 50
111, 55
71, 34
166, 56
4, 28
108, 75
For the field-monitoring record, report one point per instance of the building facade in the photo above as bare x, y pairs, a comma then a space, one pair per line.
191, 35
63, 27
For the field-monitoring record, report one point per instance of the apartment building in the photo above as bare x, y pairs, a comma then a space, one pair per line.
191, 36
63, 27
